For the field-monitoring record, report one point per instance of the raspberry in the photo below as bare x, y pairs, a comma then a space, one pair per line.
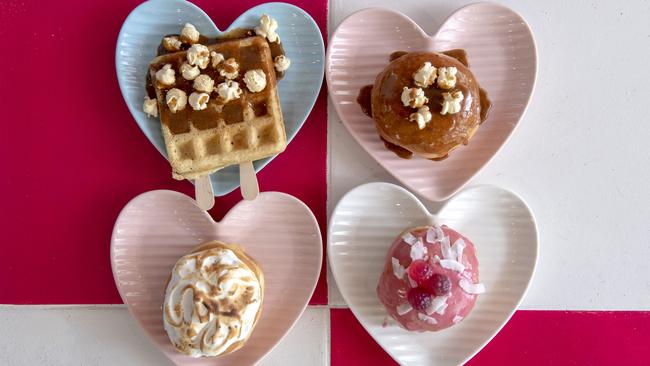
438, 284
419, 298
420, 271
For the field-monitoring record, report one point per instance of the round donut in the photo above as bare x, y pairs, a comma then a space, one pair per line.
411, 287
445, 132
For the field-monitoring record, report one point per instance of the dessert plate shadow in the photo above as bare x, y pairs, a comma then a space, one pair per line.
144, 28
368, 219
502, 56
156, 228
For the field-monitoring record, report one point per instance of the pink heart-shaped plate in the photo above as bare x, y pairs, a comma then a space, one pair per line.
502, 55
156, 228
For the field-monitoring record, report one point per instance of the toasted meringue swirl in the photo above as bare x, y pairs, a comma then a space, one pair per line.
211, 302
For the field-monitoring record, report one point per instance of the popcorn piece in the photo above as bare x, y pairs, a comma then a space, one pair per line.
229, 90
217, 58
451, 102
447, 77
267, 29
176, 100
189, 72
421, 117
426, 75
166, 75
198, 55
171, 43
229, 69
199, 101
255, 80
282, 63
204, 83
150, 107
413, 97
189, 34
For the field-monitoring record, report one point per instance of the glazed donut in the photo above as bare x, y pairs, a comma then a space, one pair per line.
430, 279
444, 130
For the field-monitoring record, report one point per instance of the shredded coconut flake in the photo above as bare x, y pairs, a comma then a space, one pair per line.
457, 319
441, 309
437, 303
418, 251
457, 249
439, 233
427, 319
431, 236
446, 248
409, 238
404, 308
412, 283
398, 269
471, 288
452, 264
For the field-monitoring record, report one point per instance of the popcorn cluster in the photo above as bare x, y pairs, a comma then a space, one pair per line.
427, 76
199, 58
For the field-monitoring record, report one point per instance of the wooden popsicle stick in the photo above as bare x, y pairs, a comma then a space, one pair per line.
248, 185
203, 192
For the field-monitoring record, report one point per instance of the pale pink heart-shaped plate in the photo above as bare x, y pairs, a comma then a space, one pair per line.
367, 220
156, 228
502, 55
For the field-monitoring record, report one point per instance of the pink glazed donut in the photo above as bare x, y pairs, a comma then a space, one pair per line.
430, 281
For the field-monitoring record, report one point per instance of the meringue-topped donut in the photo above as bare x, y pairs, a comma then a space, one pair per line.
430, 280
213, 300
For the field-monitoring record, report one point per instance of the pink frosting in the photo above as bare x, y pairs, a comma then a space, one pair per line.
393, 291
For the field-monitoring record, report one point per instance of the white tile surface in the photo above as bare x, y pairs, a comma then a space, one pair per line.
108, 335
579, 158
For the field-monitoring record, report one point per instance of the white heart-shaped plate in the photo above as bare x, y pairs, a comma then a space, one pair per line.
279, 231
368, 219
502, 55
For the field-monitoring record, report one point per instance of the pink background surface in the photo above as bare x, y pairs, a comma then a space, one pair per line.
83, 156
530, 338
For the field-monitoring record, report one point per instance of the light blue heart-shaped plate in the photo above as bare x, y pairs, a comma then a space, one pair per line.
148, 23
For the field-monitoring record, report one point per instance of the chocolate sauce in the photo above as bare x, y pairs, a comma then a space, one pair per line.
440, 158
151, 91
395, 55
458, 54
233, 112
398, 150
486, 104
365, 100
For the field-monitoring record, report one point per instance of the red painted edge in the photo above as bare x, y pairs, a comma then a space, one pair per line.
72, 156
530, 338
